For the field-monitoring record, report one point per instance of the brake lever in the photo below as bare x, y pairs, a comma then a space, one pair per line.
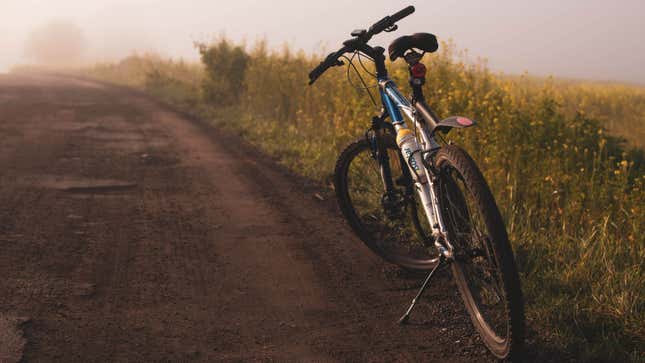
391, 29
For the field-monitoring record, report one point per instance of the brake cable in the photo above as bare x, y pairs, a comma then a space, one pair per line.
365, 87
360, 60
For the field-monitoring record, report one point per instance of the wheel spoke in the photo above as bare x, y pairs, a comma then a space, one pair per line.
387, 220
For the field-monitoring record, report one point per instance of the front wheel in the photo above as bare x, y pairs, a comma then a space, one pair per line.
484, 268
392, 224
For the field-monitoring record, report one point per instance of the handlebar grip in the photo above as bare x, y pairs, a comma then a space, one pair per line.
402, 14
389, 21
331, 61
317, 72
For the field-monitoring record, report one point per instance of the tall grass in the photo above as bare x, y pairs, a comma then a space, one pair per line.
572, 193
177, 82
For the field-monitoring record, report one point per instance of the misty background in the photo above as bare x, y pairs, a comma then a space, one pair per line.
589, 39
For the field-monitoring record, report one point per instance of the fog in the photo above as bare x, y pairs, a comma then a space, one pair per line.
589, 39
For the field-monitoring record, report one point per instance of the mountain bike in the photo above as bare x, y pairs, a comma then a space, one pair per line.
422, 203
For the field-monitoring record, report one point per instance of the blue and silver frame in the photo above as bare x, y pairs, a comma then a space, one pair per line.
395, 103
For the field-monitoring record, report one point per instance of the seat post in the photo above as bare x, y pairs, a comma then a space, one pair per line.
417, 91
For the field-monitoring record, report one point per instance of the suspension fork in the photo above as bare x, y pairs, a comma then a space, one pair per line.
379, 152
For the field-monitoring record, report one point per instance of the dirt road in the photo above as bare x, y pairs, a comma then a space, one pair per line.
131, 233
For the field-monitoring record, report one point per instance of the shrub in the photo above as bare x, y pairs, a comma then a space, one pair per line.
225, 66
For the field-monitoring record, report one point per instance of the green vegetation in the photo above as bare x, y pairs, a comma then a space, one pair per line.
571, 190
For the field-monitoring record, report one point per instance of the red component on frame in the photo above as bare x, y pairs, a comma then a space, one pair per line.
464, 121
418, 70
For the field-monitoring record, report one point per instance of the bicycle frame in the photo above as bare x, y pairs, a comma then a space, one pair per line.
395, 106
418, 149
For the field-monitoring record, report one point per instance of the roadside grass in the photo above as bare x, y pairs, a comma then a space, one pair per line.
570, 187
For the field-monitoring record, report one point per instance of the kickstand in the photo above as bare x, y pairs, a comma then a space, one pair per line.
404, 319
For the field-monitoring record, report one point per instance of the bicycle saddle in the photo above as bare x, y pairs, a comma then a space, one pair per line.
424, 41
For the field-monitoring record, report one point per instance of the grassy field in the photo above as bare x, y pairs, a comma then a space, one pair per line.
554, 152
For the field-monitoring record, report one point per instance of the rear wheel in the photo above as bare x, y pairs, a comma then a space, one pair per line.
484, 268
392, 225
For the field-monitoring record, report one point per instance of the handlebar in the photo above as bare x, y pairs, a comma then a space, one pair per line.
361, 38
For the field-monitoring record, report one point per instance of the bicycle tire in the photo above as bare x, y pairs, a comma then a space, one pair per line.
497, 252
347, 207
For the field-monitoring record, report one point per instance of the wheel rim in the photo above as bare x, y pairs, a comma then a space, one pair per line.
476, 268
396, 236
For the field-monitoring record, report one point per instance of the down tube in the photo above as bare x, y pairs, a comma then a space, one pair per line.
425, 191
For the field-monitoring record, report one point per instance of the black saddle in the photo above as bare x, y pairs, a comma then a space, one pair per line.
423, 41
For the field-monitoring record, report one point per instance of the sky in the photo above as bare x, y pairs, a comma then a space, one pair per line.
588, 39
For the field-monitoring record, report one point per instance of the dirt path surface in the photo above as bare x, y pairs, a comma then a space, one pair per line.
130, 233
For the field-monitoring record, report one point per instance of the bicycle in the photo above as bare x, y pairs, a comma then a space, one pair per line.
422, 203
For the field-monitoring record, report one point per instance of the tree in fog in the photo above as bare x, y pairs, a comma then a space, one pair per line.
58, 43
